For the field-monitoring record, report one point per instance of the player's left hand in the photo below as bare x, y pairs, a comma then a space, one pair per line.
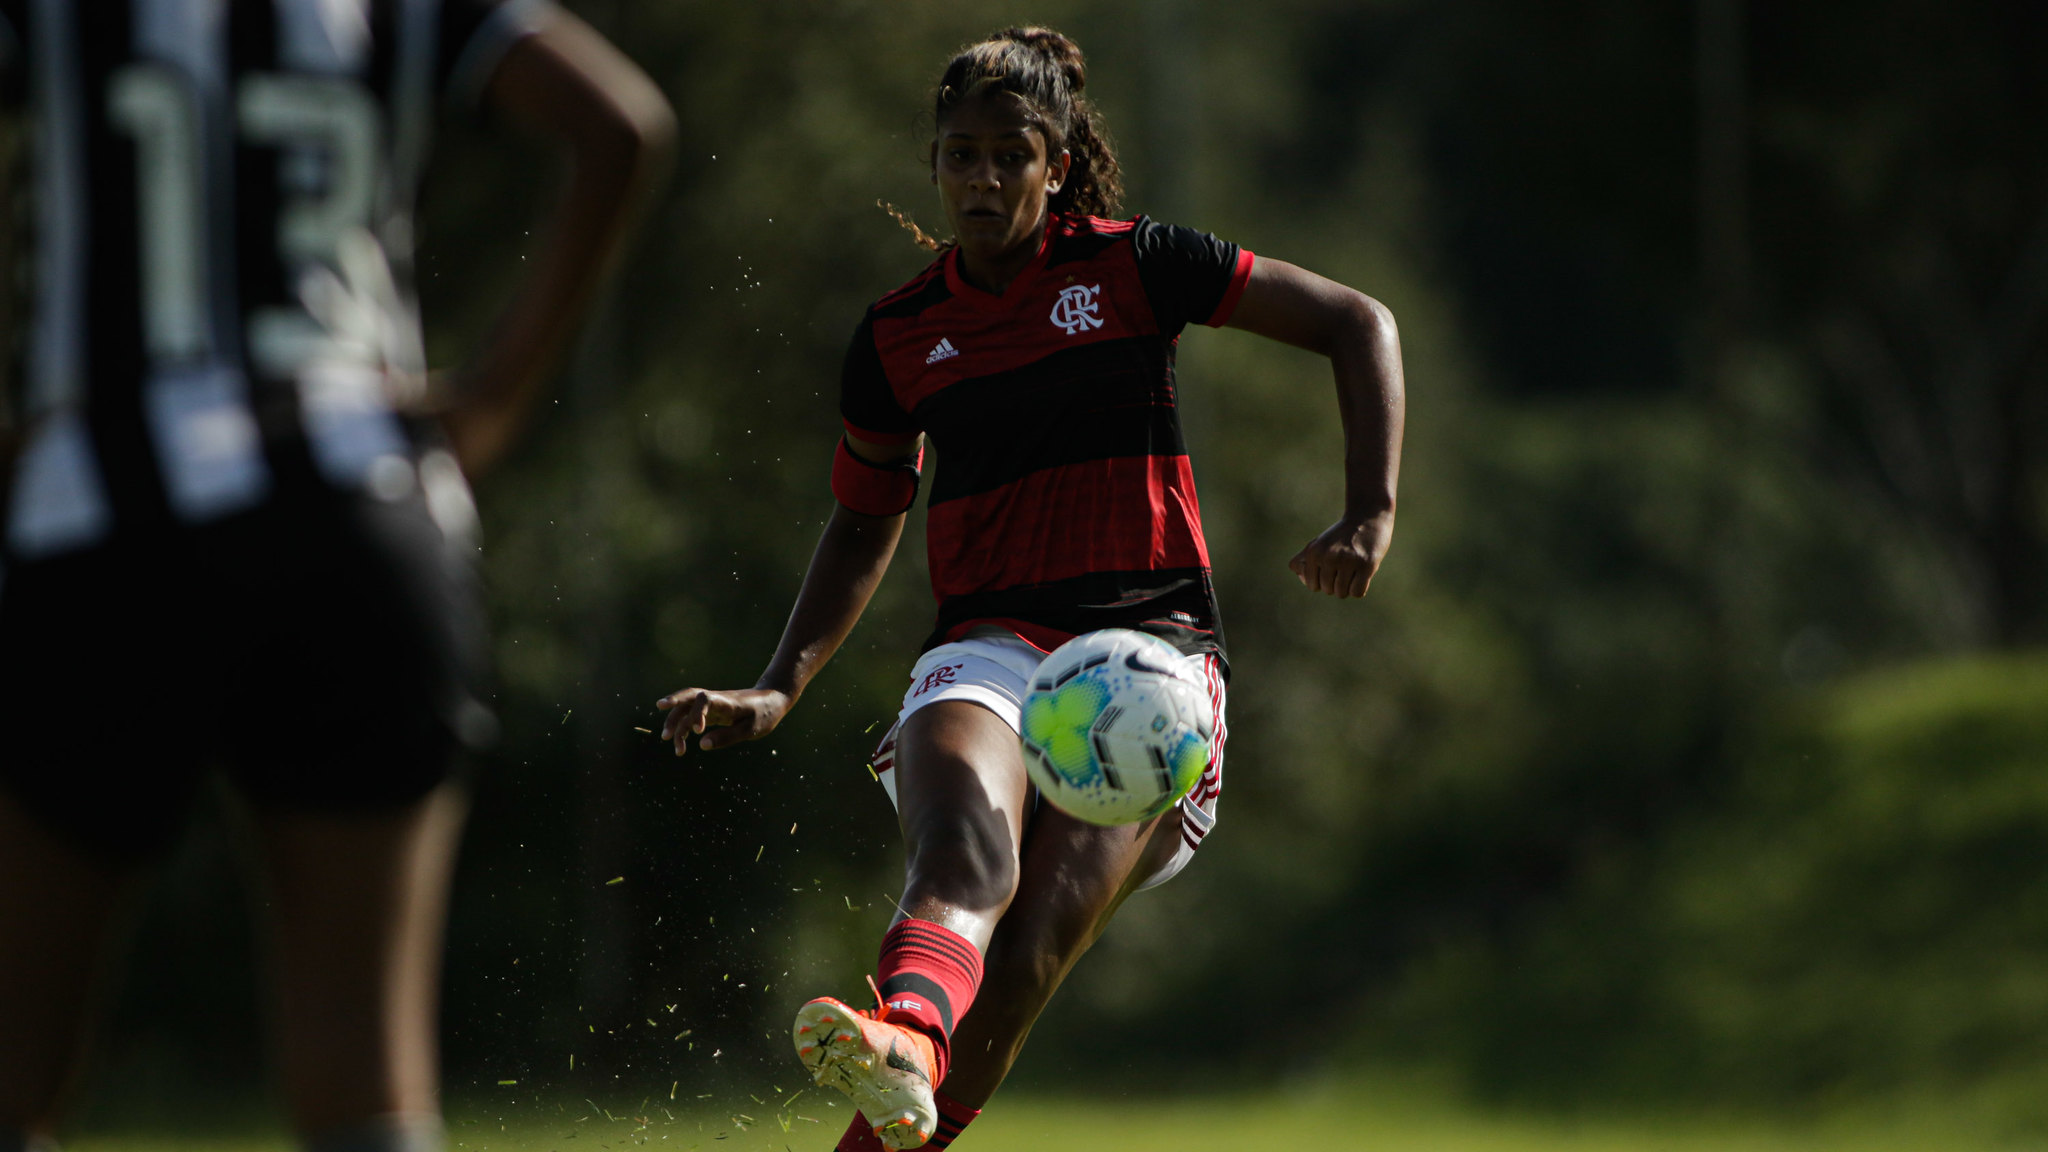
1342, 560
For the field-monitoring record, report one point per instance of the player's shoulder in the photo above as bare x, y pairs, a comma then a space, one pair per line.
1075, 226
1090, 238
915, 295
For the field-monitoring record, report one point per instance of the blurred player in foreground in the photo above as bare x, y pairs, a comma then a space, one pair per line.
1038, 353
224, 545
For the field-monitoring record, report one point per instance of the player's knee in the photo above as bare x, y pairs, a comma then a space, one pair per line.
964, 860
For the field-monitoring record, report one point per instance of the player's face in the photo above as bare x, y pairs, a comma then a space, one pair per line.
995, 175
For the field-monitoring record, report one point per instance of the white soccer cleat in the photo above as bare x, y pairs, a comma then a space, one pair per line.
885, 1069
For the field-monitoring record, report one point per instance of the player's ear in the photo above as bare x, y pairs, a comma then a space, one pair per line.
1056, 171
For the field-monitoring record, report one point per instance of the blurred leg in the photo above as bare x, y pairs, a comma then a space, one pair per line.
57, 908
1074, 877
360, 902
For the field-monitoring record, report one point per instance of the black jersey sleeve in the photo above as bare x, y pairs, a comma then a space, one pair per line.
1190, 277
866, 402
473, 38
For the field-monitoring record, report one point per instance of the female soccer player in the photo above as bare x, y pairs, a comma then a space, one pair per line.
223, 544
1037, 352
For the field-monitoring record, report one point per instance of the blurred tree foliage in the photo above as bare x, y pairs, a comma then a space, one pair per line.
1862, 916
1572, 803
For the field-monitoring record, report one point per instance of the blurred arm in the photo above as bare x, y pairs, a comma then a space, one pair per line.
853, 553
1357, 333
567, 84
12, 417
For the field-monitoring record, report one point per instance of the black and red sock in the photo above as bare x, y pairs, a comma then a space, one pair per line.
954, 1117
927, 977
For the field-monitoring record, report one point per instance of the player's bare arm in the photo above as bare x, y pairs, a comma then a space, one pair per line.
1298, 307
565, 84
13, 140
853, 553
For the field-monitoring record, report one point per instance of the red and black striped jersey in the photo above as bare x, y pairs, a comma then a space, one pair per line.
219, 247
1063, 500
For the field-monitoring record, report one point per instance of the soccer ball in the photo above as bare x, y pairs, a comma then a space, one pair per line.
1115, 731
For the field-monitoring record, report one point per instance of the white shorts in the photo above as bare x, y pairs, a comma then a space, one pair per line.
994, 671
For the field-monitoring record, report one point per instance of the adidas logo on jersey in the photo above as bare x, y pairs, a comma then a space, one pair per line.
944, 350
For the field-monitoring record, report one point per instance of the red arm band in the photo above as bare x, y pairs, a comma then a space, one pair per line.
874, 437
874, 489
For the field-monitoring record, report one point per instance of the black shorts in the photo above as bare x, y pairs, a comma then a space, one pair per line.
327, 656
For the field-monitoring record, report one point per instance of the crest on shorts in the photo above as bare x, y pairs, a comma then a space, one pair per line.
1077, 309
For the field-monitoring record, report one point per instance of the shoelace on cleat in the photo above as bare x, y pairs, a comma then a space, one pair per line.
881, 1005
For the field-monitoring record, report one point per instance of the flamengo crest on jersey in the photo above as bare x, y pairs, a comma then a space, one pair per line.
944, 350
1076, 309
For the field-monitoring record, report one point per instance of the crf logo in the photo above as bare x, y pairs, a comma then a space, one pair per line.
944, 674
906, 1005
1077, 309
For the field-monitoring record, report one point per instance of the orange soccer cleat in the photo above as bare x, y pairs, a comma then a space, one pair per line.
884, 1068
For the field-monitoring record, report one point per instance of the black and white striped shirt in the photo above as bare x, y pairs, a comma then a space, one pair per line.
218, 247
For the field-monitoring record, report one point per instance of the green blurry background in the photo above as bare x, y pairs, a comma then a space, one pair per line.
1685, 760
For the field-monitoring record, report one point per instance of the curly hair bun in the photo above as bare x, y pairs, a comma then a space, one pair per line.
1054, 46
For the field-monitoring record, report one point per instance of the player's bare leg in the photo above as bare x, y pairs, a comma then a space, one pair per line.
961, 789
359, 902
58, 906
1056, 896
1075, 875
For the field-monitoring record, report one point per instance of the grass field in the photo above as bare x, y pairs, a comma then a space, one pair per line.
1370, 1121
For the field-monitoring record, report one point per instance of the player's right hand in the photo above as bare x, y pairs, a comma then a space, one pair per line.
721, 718
1342, 560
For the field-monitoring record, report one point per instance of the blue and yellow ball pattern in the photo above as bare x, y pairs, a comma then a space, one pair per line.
1116, 727
1057, 724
